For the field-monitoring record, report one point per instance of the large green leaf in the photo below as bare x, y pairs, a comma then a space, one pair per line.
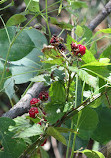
13, 148
88, 119
32, 5
26, 68
56, 134
102, 133
21, 47
16, 19
57, 92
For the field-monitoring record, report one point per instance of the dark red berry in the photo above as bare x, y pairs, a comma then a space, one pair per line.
43, 96
74, 46
54, 39
44, 142
33, 112
61, 46
35, 101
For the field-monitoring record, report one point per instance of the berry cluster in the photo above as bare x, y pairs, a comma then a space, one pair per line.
35, 102
43, 96
35, 107
78, 49
57, 42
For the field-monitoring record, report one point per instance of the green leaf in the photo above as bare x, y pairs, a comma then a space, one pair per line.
87, 33
57, 92
101, 63
64, 130
69, 40
108, 30
30, 131
88, 57
79, 31
51, 131
9, 87
93, 48
16, 19
106, 53
17, 51
88, 119
84, 76
101, 72
54, 111
29, 66
21, 124
102, 133
39, 78
62, 25
32, 5
92, 153
13, 148
78, 4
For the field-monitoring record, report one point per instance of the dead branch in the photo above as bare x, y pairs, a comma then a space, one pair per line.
101, 16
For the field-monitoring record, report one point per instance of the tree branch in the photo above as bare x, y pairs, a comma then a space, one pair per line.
24, 104
101, 16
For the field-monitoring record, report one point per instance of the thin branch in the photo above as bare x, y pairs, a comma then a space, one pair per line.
101, 16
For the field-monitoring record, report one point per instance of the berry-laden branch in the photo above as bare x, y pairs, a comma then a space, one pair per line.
24, 104
101, 16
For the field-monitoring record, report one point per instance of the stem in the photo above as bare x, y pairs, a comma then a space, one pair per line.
47, 19
67, 152
68, 86
27, 88
74, 139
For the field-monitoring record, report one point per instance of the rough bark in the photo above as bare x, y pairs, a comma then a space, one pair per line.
101, 16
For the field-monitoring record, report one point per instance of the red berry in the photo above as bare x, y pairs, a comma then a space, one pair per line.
44, 142
35, 101
82, 49
43, 96
33, 111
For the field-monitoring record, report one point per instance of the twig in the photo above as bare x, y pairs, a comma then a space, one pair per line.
101, 16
